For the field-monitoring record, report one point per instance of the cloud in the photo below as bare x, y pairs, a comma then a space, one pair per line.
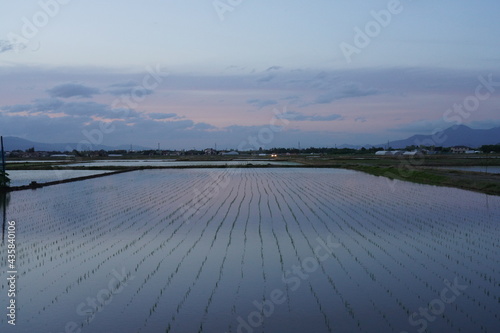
296, 116
266, 78
74, 109
39, 105
203, 126
68, 90
484, 124
261, 103
351, 90
129, 88
422, 127
273, 68
6, 46
160, 116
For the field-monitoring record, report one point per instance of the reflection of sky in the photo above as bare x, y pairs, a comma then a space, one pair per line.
24, 177
236, 250
164, 163
225, 77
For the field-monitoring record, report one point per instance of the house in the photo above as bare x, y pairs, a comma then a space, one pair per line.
210, 151
459, 149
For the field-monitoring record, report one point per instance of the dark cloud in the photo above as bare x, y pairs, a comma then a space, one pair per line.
6, 46
74, 109
203, 126
160, 116
267, 78
68, 90
273, 68
297, 116
129, 88
39, 105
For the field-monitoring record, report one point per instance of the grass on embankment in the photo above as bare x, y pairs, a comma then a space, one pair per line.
473, 181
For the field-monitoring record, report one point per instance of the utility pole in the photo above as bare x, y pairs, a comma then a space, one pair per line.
3, 155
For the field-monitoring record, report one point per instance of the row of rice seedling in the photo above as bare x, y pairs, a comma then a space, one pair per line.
203, 250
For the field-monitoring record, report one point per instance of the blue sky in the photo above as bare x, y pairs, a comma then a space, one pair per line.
193, 73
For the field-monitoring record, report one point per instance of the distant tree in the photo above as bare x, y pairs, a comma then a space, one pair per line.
4, 179
490, 148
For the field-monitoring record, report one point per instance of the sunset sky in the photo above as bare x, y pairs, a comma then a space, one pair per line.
192, 73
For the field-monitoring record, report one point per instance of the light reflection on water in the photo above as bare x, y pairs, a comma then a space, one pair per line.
25, 177
256, 235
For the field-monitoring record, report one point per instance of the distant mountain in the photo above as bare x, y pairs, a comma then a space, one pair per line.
15, 143
458, 135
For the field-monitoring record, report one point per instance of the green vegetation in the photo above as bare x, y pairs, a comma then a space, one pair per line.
4, 179
425, 169
473, 181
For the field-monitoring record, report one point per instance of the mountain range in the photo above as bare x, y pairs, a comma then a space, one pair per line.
459, 135
15, 143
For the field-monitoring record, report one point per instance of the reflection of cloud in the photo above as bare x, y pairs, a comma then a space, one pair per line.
296, 116
68, 90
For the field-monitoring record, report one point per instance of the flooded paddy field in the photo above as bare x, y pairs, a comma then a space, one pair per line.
253, 250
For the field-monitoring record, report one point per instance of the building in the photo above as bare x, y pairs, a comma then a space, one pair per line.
230, 153
412, 153
459, 149
383, 153
210, 151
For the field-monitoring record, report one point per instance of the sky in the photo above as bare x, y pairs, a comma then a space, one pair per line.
244, 74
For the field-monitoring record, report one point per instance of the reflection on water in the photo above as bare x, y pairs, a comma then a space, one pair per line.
253, 250
25, 177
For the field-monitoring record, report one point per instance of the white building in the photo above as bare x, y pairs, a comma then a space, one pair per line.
383, 153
